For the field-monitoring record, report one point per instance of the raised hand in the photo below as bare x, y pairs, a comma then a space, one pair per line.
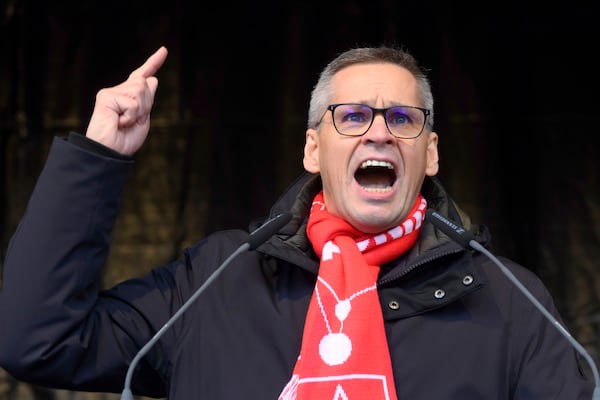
121, 116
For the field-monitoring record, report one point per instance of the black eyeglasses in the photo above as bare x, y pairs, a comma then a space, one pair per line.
405, 122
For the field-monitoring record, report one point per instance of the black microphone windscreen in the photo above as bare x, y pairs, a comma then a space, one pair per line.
455, 232
268, 229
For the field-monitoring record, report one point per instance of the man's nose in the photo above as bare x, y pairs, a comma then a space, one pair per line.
378, 132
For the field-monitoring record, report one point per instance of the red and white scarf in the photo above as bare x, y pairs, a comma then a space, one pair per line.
344, 354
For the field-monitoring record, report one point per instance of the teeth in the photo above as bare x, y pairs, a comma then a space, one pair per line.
378, 190
376, 163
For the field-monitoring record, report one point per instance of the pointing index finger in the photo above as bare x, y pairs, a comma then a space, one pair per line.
152, 64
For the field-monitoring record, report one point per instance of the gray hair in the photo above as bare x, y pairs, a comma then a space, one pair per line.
323, 90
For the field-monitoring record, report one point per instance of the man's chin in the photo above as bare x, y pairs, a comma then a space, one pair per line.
372, 222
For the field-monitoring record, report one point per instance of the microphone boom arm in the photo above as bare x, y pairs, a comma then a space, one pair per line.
563, 331
466, 239
126, 394
255, 239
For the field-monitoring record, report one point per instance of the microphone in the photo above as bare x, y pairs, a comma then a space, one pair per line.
255, 239
466, 240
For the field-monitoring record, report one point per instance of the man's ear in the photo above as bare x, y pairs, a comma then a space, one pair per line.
311, 151
433, 159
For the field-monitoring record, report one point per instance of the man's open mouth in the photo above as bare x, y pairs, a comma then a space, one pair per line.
375, 176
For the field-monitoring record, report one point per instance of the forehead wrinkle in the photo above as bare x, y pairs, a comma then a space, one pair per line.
385, 84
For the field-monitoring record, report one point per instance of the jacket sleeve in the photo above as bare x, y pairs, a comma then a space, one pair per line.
57, 327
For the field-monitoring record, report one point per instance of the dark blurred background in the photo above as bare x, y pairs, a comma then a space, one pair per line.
516, 90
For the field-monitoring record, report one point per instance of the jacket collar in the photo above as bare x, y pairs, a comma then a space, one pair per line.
292, 244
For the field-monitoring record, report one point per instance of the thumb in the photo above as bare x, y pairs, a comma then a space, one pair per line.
152, 83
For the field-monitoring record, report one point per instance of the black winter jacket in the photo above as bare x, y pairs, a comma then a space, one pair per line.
456, 327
